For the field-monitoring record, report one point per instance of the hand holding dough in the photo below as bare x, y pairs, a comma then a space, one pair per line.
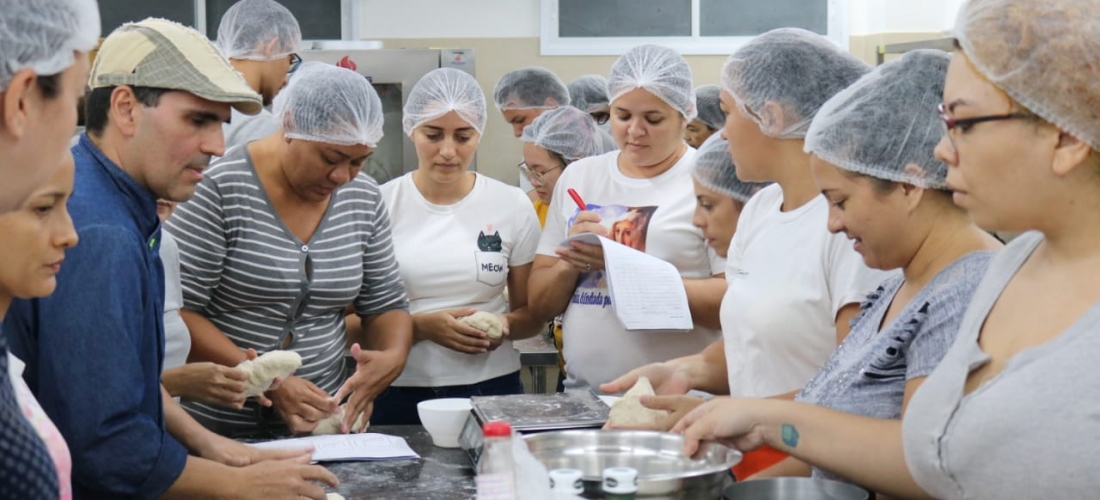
487, 322
629, 412
331, 424
263, 370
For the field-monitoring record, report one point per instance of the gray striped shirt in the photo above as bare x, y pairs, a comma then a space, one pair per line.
242, 269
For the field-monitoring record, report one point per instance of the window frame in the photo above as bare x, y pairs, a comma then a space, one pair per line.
350, 15
551, 44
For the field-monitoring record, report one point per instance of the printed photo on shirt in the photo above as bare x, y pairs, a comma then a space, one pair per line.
626, 225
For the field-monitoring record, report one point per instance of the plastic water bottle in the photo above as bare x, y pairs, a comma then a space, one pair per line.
620, 483
496, 471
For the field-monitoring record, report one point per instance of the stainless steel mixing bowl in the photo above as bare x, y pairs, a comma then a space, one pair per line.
663, 470
795, 488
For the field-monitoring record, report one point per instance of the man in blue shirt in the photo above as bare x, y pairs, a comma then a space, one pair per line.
94, 350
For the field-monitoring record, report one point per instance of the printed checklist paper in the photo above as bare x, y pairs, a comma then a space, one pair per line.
647, 293
348, 447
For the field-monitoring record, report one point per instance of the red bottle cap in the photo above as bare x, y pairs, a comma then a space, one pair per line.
497, 429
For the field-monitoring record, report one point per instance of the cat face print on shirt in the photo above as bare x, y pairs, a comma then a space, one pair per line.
492, 264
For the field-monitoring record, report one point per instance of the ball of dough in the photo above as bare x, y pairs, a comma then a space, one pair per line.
331, 424
487, 322
629, 412
263, 370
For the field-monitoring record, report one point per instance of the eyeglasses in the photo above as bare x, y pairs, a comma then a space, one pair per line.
949, 124
534, 175
295, 63
601, 117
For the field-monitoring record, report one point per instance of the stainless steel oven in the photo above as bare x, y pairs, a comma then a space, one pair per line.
393, 72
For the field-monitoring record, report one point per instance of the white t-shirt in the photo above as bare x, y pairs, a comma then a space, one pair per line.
177, 339
458, 256
787, 278
653, 215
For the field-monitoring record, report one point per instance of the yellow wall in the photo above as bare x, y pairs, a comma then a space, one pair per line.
499, 151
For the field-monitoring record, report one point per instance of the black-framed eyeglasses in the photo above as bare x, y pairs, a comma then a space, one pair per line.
950, 124
534, 175
295, 63
601, 117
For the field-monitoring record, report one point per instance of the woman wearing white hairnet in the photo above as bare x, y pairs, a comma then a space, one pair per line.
460, 238
43, 71
281, 236
793, 286
641, 196
554, 140
1002, 414
711, 119
588, 93
872, 158
550, 143
719, 195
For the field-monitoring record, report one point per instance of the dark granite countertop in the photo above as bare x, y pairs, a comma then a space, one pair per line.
441, 473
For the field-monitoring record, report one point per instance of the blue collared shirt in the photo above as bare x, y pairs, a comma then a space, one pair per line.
94, 348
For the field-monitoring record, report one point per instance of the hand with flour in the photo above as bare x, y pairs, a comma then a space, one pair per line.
374, 372
446, 329
291, 479
212, 383
494, 326
301, 404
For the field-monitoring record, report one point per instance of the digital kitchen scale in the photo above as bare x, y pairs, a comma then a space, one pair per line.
532, 413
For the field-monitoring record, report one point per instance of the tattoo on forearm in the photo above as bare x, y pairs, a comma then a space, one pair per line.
790, 435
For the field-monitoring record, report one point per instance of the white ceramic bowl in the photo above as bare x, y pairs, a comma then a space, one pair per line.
444, 418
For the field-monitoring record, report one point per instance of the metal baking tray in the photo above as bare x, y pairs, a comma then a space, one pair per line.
542, 412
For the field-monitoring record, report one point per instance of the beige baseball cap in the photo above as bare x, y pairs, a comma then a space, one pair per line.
164, 54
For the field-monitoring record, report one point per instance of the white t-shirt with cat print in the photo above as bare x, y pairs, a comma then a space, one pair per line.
457, 256
652, 215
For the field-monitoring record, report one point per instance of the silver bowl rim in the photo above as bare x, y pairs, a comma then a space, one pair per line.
660, 477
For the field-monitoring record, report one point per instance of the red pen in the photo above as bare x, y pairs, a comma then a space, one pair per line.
577, 199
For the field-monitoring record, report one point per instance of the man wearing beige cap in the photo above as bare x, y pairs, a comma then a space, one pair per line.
159, 95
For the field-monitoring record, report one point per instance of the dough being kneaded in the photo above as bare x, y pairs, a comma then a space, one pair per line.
263, 370
487, 322
629, 412
331, 424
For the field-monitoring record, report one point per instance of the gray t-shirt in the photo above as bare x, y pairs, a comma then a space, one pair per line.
1029, 432
867, 374
246, 272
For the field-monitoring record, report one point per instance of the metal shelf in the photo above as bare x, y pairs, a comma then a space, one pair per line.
944, 44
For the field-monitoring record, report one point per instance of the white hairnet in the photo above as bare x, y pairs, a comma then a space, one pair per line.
659, 70
1045, 54
329, 104
588, 93
566, 131
528, 88
710, 106
249, 27
797, 69
43, 34
441, 91
714, 169
886, 125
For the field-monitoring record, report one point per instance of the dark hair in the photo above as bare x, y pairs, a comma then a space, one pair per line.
97, 104
557, 156
50, 85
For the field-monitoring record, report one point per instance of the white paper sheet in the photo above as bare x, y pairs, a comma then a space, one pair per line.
348, 447
647, 293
